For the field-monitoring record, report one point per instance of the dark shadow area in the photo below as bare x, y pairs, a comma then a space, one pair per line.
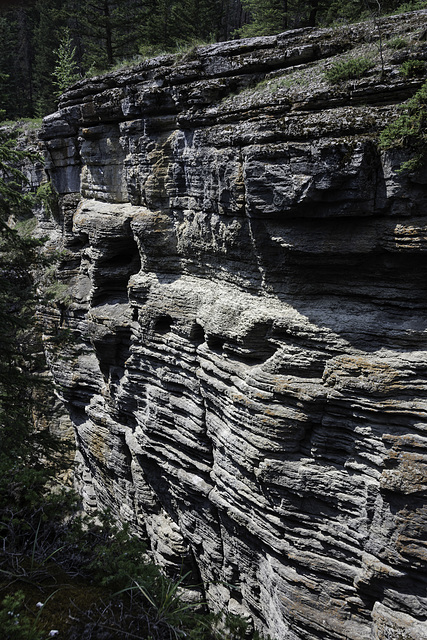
215, 343
163, 324
112, 271
197, 334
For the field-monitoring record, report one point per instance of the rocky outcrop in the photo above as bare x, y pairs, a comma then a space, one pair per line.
247, 294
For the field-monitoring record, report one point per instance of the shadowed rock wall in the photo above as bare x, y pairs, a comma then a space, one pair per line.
247, 292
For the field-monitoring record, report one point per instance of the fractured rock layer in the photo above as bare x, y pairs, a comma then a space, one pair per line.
247, 281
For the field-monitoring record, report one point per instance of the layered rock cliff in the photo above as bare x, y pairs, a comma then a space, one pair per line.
247, 373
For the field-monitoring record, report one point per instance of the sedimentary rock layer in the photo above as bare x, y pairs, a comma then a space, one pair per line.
246, 280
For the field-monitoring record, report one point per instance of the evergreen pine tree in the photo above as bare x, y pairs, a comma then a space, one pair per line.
21, 354
158, 29
194, 20
128, 17
16, 82
7, 75
66, 66
49, 25
109, 30
266, 17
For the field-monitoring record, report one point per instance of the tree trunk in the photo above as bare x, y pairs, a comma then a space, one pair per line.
285, 14
108, 36
314, 6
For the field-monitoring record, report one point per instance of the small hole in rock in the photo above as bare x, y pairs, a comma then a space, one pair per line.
215, 343
163, 324
197, 333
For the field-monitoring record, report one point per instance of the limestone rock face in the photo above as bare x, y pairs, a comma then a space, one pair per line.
247, 274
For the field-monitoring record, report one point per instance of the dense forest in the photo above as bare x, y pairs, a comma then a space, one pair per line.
46, 45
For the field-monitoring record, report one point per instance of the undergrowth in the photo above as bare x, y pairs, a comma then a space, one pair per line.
65, 574
184, 51
397, 43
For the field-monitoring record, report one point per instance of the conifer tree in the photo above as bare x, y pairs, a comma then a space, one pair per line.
158, 29
16, 85
65, 71
20, 348
7, 75
194, 20
109, 30
49, 25
266, 17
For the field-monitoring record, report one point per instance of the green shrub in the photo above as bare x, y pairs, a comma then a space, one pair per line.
397, 43
118, 559
409, 131
348, 69
15, 623
413, 5
413, 68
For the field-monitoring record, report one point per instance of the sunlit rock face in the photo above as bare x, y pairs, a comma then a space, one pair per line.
247, 304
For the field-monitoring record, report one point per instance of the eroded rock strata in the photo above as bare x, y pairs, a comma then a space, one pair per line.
247, 294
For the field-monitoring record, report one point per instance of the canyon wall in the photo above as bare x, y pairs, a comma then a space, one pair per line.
245, 303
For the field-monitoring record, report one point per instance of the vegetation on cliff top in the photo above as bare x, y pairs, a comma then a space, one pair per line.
45, 46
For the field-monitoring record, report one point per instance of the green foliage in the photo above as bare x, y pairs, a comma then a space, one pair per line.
15, 622
22, 388
31, 519
397, 43
15, 62
95, 558
37, 61
195, 21
48, 197
267, 17
236, 627
106, 31
58, 292
409, 131
25, 228
413, 5
272, 16
413, 68
65, 71
348, 69
339, 12
3, 82
169, 615
48, 25
118, 559
13, 200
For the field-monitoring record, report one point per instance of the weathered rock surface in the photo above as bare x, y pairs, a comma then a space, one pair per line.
247, 275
